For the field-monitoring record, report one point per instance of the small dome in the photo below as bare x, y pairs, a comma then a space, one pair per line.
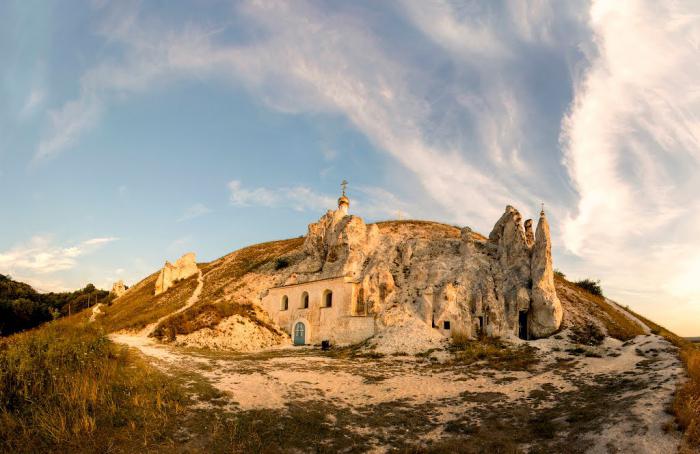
342, 200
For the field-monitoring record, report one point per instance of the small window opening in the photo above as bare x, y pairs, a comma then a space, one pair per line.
305, 300
360, 306
285, 303
328, 298
446, 324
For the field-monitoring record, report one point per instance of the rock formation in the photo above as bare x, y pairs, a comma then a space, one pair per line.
118, 289
338, 243
546, 308
183, 268
497, 287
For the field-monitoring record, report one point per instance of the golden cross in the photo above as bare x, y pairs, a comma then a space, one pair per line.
344, 185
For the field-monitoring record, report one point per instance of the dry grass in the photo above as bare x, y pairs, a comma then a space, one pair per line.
616, 323
686, 404
420, 229
494, 353
139, 306
68, 388
224, 275
207, 316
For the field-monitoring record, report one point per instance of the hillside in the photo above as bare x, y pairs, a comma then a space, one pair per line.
232, 283
225, 378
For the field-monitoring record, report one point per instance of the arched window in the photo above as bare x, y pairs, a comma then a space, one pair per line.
327, 298
305, 300
285, 303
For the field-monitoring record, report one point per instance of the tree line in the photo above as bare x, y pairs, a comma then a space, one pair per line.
22, 307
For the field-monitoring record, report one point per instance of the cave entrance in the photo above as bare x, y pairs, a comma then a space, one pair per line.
522, 325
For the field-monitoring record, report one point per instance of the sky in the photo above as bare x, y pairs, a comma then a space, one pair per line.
133, 132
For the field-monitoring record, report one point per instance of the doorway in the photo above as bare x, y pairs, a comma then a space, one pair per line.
522, 325
299, 334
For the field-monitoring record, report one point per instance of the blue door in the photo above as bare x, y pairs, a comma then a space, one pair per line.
299, 334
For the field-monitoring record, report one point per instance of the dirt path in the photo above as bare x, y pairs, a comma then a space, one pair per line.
622, 310
611, 403
148, 329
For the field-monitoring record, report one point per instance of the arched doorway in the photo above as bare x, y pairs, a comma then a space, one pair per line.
299, 333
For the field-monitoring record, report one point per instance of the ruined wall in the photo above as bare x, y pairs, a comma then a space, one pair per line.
183, 268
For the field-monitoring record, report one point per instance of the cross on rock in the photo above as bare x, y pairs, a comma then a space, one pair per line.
344, 185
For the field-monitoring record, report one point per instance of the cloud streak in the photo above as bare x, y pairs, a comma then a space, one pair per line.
632, 150
592, 108
40, 256
371, 202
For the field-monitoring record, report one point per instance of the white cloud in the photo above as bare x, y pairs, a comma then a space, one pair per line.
299, 198
100, 241
194, 211
39, 255
34, 100
473, 140
632, 150
371, 202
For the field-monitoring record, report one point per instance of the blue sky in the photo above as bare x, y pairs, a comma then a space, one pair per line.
133, 132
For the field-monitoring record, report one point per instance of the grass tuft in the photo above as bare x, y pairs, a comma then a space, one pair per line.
68, 388
496, 353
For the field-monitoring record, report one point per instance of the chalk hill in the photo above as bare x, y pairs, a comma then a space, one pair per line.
408, 271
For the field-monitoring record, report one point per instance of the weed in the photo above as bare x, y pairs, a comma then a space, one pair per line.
68, 388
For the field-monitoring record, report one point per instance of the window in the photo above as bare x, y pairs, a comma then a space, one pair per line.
327, 298
305, 300
360, 306
446, 324
285, 303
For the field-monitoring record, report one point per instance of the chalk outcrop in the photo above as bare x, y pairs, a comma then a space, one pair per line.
118, 289
171, 273
338, 244
546, 308
461, 283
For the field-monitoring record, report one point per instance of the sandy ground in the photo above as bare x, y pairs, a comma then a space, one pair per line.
634, 382
608, 398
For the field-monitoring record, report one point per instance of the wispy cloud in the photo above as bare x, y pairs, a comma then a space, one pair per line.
371, 202
632, 147
40, 255
34, 100
194, 211
299, 198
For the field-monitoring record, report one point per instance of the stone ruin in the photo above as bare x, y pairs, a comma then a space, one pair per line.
118, 289
183, 268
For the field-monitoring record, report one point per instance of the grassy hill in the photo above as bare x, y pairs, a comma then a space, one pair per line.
65, 386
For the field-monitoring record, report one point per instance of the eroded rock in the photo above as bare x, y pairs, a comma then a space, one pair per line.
183, 268
118, 289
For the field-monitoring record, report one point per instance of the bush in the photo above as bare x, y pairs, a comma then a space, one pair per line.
281, 264
590, 286
560, 274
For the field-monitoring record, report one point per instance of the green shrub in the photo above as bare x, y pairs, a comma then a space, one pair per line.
590, 286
